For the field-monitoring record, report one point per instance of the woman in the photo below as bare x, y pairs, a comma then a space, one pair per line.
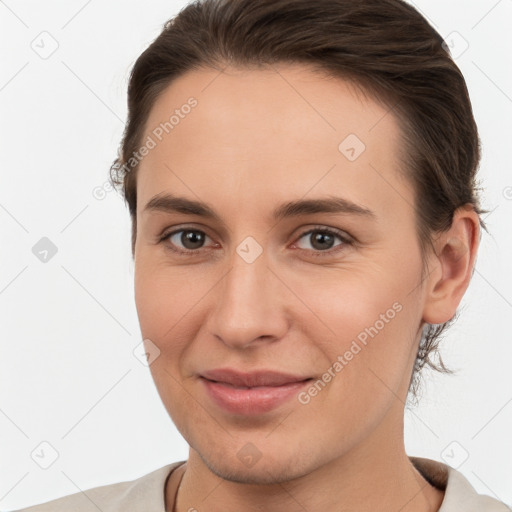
300, 177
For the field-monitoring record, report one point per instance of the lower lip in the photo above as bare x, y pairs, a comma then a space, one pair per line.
251, 401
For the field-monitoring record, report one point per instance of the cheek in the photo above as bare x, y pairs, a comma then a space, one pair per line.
163, 300
365, 325
170, 312
148, 295
366, 364
163, 297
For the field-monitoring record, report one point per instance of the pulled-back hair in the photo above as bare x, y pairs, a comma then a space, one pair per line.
383, 47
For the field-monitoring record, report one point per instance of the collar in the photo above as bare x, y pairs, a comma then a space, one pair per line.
459, 495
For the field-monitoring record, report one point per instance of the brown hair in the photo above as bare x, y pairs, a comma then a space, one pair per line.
383, 47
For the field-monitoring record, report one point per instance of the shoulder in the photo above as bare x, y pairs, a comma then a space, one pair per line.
128, 496
459, 494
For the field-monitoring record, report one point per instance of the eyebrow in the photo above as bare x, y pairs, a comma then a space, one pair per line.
170, 203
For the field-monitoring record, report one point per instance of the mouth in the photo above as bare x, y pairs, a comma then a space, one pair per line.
257, 378
241, 399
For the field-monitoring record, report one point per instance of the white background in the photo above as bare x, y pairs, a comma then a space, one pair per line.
68, 375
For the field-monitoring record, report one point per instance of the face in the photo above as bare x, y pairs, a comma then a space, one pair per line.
265, 277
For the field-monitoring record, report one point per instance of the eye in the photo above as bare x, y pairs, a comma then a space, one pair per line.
322, 240
190, 239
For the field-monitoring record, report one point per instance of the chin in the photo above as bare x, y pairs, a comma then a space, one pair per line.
270, 468
263, 475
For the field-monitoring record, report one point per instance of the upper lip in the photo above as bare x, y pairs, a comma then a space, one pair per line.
251, 379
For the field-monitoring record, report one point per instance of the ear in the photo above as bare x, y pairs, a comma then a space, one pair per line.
451, 267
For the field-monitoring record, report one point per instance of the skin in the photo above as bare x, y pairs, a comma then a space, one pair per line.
257, 139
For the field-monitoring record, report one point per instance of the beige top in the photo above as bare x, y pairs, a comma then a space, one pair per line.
147, 493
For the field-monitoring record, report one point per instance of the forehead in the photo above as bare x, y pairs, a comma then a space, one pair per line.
270, 133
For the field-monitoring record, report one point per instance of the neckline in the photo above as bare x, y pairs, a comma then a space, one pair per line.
434, 472
171, 486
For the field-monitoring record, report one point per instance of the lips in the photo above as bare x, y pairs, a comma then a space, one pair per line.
252, 379
252, 393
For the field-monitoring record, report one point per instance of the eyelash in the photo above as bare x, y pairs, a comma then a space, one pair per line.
315, 253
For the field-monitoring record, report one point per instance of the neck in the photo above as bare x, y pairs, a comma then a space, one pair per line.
376, 476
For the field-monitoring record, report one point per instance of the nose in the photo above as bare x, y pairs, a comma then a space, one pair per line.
250, 305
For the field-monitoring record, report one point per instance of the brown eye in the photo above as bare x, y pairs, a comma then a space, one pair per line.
323, 240
185, 240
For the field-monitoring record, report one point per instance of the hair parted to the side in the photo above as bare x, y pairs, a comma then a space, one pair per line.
386, 48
